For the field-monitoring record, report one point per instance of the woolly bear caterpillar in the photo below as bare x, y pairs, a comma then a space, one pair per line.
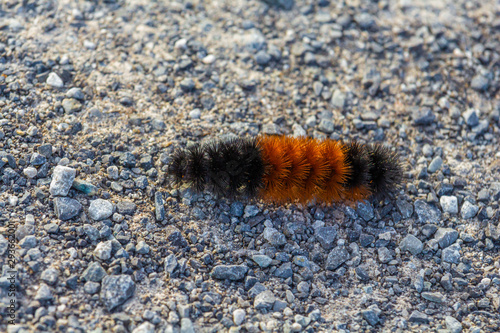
283, 168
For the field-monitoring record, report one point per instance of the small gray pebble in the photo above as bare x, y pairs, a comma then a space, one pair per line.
449, 204
67, 208
412, 244
229, 272
100, 209
468, 210
62, 180
116, 290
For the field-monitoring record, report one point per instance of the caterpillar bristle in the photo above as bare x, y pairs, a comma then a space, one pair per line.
196, 168
177, 166
332, 186
385, 170
282, 168
357, 179
277, 167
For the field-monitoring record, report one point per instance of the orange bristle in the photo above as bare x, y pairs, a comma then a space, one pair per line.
331, 187
303, 169
278, 167
357, 193
300, 168
318, 172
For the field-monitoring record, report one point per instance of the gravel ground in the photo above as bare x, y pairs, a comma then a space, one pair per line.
95, 95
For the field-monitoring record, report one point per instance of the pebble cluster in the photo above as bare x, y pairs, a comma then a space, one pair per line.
94, 95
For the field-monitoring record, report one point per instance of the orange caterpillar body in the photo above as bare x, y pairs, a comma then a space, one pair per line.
306, 169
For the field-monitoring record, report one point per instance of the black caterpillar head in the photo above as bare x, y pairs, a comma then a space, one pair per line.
386, 172
177, 166
189, 166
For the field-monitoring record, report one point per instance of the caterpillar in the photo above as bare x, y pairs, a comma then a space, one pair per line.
285, 169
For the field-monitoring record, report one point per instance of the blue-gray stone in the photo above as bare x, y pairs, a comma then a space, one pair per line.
126, 207
251, 211
262, 58
229, 272
435, 297
37, 159
116, 290
127, 159
471, 117
262, 260
170, 263
50, 275
419, 317
336, 257
274, 237
75, 93
365, 20
326, 236
451, 254
435, 164
45, 150
365, 210
256, 289
174, 236
62, 180
91, 288
405, 208
301, 261
326, 126
159, 207
480, 83
338, 99
94, 272
370, 316
284, 271
412, 244
264, 301
468, 210
237, 209
445, 237
449, 204
66, 208
91, 232
423, 116
44, 294
187, 84
28, 242
384, 255
427, 213
453, 324
142, 247
100, 209
141, 182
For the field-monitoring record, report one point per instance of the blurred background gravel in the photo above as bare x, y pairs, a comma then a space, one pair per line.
95, 95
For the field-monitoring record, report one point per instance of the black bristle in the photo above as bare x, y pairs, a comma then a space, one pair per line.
196, 168
235, 167
218, 176
356, 156
177, 166
254, 170
385, 172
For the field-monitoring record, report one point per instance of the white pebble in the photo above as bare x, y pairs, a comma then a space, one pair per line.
54, 80
30, 172
239, 316
181, 44
209, 59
